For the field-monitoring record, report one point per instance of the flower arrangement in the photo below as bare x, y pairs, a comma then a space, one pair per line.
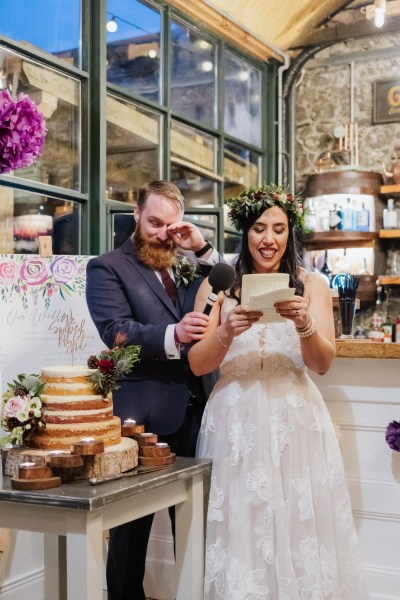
21, 409
255, 200
185, 271
22, 132
392, 435
111, 364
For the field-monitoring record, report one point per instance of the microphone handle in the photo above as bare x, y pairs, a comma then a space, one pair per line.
211, 300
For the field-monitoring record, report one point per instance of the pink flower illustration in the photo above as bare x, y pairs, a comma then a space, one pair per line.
14, 405
34, 271
8, 272
63, 269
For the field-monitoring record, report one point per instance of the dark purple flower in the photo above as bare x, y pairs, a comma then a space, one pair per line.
106, 366
22, 132
392, 435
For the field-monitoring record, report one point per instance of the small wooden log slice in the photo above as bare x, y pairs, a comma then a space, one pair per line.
65, 461
131, 430
154, 450
156, 461
35, 484
34, 472
88, 448
146, 438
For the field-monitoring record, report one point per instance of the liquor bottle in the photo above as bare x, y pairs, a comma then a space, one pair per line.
390, 216
362, 219
348, 217
326, 269
397, 330
364, 270
388, 330
376, 334
310, 217
335, 218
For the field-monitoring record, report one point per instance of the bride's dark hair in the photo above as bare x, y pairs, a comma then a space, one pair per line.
290, 263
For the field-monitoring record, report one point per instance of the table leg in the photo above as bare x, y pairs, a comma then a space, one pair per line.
55, 567
190, 543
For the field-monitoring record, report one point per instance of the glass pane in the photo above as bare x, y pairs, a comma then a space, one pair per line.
242, 89
241, 170
122, 226
133, 148
192, 148
50, 25
207, 224
232, 244
25, 216
133, 47
197, 190
193, 74
58, 98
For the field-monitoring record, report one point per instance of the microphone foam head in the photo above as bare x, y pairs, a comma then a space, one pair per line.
221, 277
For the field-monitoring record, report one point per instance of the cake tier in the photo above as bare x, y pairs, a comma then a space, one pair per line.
72, 380
59, 436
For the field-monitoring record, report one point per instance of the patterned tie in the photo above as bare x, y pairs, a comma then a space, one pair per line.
169, 285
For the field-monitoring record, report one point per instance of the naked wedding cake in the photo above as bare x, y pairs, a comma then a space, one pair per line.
72, 410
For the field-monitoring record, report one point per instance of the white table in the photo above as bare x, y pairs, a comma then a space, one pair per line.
74, 516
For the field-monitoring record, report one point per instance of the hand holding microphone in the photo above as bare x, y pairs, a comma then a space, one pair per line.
220, 278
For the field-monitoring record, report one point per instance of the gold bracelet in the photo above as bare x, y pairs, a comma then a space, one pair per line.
307, 326
219, 339
311, 329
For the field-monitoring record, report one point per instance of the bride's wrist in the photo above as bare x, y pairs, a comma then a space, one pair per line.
223, 338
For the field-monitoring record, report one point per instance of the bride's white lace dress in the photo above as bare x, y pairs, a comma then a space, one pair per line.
279, 523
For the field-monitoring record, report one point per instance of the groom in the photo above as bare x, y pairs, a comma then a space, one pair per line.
133, 290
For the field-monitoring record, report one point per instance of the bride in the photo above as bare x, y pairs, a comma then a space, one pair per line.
279, 523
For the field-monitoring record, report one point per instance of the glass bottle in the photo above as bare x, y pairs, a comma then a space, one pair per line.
335, 220
388, 330
326, 269
348, 217
390, 216
362, 219
376, 334
397, 330
310, 217
364, 270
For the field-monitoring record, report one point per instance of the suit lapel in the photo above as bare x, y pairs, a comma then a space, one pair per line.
128, 248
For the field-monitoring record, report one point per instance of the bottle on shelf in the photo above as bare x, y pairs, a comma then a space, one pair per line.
376, 334
348, 217
397, 330
310, 217
362, 219
326, 269
388, 330
390, 216
335, 218
364, 269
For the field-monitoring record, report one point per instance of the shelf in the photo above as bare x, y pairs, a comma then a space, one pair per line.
339, 239
389, 279
389, 233
390, 189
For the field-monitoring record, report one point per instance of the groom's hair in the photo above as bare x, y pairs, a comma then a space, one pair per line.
163, 188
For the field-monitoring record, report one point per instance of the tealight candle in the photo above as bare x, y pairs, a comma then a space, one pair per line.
146, 434
87, 440
129, 422
57, 452
161, 445
28, 465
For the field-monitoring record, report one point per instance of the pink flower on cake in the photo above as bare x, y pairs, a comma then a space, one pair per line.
63, 269
8, 272
14, 405
34, 271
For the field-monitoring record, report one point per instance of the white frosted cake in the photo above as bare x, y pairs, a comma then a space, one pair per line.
72, 410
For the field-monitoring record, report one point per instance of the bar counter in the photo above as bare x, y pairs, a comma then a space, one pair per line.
366, 349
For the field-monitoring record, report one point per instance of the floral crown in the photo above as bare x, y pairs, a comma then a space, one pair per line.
255, 200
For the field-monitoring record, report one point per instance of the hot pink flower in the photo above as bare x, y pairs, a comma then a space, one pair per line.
34, 271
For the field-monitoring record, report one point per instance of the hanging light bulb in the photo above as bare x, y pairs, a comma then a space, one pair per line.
112, 25
379, 12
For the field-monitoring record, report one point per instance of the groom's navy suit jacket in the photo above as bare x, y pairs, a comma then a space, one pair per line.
123, 295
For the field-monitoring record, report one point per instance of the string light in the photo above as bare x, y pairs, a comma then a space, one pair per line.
112, 25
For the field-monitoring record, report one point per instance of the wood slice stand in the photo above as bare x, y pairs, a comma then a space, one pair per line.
115, 460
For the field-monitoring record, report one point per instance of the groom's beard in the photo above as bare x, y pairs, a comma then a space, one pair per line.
157, 256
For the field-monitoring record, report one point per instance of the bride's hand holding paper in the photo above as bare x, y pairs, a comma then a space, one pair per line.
296, 310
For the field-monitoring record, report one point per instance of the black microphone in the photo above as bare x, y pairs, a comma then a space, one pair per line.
220, 278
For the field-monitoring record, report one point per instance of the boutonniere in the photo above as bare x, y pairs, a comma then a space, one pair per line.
185, 271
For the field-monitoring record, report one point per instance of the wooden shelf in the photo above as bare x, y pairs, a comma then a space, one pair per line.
339, 239
389, 233
389, 279
390, 189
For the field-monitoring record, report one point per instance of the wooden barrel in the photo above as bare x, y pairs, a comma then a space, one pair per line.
343, 182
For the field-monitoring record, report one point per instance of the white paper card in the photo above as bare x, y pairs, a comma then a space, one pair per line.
260, 291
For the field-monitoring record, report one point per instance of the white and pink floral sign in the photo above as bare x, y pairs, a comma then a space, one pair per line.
44, 318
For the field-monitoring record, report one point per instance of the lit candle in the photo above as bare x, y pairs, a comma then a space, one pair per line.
57, 452
129, 422
161, 445
87, 440
27, 465
146, 434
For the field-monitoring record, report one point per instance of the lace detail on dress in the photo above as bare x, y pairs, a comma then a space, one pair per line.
279, 524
